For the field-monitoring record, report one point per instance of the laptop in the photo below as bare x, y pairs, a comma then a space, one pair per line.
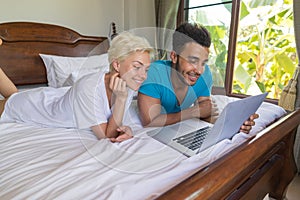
192, 140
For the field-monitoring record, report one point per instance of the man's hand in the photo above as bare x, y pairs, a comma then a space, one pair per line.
214, 113
207, 109
247, 126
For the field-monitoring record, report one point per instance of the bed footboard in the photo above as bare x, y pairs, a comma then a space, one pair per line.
250, 171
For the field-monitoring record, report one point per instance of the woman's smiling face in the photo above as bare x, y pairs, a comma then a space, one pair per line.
134, 69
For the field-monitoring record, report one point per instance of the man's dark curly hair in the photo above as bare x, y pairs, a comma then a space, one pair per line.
188, 32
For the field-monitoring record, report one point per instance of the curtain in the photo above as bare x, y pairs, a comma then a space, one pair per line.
296, 8
166, 18
297, 36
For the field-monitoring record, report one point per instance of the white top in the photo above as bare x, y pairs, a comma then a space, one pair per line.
83, 105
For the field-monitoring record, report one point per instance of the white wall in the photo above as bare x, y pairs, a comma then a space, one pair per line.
138, 14
88, 17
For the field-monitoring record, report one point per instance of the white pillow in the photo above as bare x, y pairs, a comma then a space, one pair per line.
76, 75
59, 68
267, 112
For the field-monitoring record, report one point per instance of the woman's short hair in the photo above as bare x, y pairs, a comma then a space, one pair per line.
126, 43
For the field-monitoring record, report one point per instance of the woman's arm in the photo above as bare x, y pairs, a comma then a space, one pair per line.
124, 132
119, 97
7, 87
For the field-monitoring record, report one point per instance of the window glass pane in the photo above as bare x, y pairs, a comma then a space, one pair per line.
216, 18
266, 51
197, 3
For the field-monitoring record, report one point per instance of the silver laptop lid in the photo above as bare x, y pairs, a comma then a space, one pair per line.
232, 118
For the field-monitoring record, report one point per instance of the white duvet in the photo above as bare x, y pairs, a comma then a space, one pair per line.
56, 163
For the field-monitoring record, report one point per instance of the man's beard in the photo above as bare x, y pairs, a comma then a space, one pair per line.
179, 75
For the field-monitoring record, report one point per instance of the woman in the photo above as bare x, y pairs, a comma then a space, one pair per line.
97, 101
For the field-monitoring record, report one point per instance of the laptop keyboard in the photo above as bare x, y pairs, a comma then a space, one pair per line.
194, 139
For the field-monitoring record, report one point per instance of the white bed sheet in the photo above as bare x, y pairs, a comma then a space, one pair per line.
48, 163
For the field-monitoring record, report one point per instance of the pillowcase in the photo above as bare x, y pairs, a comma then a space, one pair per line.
59, 68
267, 112
76, 75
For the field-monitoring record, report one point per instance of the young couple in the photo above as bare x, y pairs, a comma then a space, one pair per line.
169, 91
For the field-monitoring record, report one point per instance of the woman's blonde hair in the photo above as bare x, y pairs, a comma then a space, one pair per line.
126, 43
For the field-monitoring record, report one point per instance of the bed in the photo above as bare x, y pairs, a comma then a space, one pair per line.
55, 163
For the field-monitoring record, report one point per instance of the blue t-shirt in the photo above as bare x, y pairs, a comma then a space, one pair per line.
159, 85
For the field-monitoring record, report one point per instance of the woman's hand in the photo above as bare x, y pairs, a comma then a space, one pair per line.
118, 86
125, 133
247, 126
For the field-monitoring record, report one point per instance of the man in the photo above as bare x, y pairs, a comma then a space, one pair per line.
180, 89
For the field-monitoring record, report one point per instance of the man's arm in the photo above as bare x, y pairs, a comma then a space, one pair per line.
150, 111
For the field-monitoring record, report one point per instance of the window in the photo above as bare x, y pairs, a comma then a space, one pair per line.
215, 15
261, 52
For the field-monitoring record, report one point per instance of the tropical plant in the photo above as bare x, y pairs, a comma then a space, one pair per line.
265, 51
217, 21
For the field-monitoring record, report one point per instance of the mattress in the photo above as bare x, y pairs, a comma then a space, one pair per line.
58, 163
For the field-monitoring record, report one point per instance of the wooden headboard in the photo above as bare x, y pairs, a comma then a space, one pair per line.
22, 42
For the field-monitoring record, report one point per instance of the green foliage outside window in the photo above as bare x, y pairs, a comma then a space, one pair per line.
217, 21
266, 51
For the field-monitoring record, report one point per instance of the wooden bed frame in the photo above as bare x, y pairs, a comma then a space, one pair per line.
262, 165
22, 42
